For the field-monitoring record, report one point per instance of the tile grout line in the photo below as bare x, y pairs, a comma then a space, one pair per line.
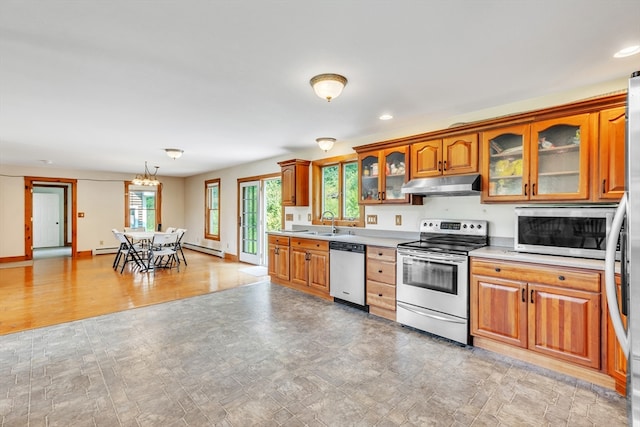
104, 381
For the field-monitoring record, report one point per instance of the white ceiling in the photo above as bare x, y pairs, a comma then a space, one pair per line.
106, 85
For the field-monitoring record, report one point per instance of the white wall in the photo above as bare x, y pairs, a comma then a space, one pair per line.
100, 197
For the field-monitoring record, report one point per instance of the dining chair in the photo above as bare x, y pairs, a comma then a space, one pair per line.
163, 251
180, 232
122, 247
129, 251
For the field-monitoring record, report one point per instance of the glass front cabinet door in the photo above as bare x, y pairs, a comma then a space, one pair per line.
506, 168
559, 158
546, 160
382, 174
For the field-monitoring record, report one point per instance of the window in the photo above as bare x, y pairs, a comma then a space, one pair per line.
335, 184
212, 209
143, 206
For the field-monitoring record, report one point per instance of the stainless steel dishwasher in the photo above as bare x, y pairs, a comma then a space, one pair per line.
347, 273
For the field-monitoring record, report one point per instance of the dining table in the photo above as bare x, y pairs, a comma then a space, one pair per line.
144, 239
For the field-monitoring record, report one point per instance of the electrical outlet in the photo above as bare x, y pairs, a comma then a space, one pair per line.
308, 217
372, 219
101, 242
288, 217
299, 217
398, 219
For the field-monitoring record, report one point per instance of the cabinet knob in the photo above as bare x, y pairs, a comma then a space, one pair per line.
379, 271
379, 295
560, 277
497, 269
379, 253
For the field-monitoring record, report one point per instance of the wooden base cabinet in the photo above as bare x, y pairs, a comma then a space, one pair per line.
555, 312
381, 281
278, 261
310, 266
616, 360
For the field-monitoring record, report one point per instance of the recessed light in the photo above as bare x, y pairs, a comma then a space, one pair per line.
627, 51
386, 117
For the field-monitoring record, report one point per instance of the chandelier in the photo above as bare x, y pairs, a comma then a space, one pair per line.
328, 86
148, 179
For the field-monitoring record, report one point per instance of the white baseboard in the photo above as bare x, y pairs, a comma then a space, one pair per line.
103, 251
210, 251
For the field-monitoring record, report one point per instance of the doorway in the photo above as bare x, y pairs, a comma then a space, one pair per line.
50, 217
260, 211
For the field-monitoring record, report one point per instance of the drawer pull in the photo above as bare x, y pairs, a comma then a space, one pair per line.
524, 295
379, 295
379, 253
497, 269
560, 277
379, 271
531, 296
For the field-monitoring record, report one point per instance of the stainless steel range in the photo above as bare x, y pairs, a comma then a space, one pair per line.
433, 277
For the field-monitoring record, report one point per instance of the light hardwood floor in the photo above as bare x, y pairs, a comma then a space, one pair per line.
59, 290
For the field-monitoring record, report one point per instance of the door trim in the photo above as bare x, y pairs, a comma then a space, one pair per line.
260, 178
28, 212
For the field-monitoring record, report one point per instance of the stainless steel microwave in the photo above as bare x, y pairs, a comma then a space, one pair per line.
578, 231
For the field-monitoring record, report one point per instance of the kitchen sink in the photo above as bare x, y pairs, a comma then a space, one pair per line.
316, 233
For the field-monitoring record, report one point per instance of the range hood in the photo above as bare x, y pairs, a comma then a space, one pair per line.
455, 185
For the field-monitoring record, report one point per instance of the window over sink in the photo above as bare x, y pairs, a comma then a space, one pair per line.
335, 187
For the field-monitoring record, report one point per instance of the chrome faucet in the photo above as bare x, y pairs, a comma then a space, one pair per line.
334, 230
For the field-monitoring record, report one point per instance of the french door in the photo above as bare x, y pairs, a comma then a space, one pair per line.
250, 222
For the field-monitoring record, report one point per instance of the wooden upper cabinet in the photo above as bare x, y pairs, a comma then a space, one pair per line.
560, 158
544, 161
382, 173
505, 164
449, 156
295, 182
610, 170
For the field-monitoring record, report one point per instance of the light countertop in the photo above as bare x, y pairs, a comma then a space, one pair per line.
389, 242
508, 254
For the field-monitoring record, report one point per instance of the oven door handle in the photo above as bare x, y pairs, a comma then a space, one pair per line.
452, 259
433, 316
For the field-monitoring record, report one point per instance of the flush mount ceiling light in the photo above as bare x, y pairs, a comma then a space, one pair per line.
386, 117
174, 153
325, 143
627, 51
148, 179
328, 86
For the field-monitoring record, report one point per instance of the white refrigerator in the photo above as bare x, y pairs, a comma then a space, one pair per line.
626, 230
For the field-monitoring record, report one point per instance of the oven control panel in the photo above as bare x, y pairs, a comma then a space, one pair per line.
459, 227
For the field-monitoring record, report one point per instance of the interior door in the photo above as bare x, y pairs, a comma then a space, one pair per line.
46, 220
250, 222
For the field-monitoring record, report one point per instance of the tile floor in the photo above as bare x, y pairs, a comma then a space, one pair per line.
269, 356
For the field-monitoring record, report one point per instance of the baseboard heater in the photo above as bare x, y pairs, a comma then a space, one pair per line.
204, 249
103, 251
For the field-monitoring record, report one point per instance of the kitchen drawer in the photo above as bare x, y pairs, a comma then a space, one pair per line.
381, 271
533, 273
278, 240
312, 244
382, 254
381, 295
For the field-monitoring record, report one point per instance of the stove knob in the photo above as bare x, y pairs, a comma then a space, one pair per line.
479, 226
464, 226
471, 226
430, 224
